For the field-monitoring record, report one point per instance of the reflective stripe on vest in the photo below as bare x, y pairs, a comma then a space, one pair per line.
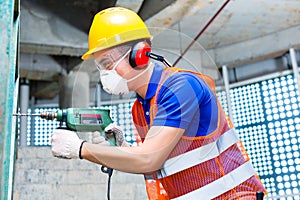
198, 155
221, 185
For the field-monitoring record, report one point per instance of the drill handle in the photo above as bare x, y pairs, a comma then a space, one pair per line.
110, 137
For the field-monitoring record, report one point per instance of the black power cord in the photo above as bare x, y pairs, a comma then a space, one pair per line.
109, 172
159, 58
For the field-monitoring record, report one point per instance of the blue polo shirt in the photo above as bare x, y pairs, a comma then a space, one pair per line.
184, 101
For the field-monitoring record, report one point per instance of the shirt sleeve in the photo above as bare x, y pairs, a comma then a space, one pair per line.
178, 100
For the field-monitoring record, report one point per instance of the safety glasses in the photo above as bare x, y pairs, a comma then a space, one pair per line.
107, 61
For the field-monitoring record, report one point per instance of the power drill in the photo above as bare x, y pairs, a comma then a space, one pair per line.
85, 120
79, 119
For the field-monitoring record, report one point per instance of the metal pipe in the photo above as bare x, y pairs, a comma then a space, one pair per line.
201, 32
257, 79
32, 121
98, 95
227, 90
24, 105
295, 68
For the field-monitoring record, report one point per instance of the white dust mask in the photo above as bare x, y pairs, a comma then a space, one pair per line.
112, 82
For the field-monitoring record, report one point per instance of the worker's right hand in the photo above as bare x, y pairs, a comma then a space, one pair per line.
65, 144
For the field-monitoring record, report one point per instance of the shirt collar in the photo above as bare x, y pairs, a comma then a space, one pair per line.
153, 84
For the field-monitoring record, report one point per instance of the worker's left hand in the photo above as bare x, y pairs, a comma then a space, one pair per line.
65, 144
97, 138
118, 132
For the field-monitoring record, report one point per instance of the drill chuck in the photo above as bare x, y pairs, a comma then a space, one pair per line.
49, 115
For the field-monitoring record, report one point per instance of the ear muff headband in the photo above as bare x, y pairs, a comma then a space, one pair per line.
138, 56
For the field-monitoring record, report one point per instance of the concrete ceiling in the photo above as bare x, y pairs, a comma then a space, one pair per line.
244, 31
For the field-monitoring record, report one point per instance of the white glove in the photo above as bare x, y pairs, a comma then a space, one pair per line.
97, 138
65, 144
118, 132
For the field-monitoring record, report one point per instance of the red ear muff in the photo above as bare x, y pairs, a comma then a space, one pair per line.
138, 58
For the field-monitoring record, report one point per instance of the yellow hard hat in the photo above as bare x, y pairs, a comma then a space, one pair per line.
114, 26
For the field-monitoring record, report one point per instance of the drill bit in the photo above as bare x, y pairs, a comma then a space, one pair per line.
26, 114
48, 115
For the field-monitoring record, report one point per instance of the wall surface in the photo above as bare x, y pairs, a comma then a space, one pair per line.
41, 176
9, 29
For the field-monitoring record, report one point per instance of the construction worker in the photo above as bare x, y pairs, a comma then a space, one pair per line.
189, 147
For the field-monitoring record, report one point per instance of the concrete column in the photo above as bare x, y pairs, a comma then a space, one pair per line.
75, 90
227, 90
24, 105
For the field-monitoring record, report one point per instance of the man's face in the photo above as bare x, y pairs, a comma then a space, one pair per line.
116, 59
107, 63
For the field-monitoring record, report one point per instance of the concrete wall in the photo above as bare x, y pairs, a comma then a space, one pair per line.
40, 176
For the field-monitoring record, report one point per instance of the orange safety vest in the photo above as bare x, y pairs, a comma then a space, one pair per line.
215, 166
